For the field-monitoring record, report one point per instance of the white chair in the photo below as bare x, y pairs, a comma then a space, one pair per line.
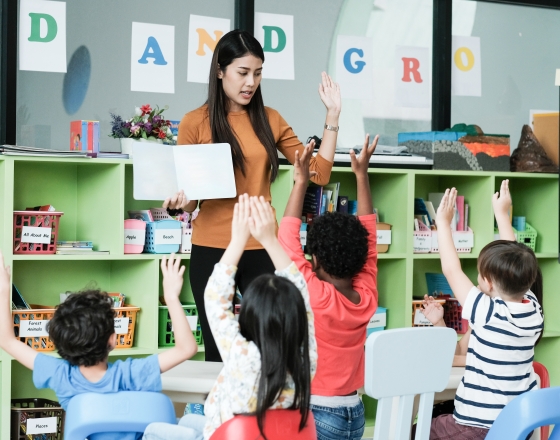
403, 363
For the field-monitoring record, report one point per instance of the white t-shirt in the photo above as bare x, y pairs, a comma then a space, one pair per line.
499, 363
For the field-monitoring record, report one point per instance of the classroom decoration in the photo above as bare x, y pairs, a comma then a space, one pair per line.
36, 418
529, 156
466, 71
413, 82
354, 67
152, 63
84, 136
148, 123
458, 150
275, 32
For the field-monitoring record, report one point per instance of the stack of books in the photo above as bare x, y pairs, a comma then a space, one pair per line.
425, 212
76, 248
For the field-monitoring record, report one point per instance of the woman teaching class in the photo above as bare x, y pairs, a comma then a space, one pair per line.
234, 113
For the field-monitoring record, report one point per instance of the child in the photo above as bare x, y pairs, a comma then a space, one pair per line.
342, 281
82, 330
505, 320
270, 355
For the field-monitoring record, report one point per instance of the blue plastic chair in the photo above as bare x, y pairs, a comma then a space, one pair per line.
527, 412
122, 412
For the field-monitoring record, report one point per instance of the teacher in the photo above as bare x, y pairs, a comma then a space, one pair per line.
235, 114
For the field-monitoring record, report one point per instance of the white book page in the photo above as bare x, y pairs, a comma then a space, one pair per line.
154, 171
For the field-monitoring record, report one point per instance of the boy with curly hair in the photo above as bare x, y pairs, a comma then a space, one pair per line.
83, 331
342, 284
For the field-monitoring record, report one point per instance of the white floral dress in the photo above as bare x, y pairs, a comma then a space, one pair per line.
235, 390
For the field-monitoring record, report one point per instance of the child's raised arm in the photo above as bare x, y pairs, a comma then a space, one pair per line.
21, 352
302, 175
185, 345
450, 264
501, 202
360, 167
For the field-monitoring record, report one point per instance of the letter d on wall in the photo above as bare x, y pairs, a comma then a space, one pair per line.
42, 36
275, 32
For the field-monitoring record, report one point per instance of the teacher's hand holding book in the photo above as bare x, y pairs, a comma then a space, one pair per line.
180, 201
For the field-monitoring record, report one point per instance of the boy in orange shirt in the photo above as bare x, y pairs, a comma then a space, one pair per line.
342, 280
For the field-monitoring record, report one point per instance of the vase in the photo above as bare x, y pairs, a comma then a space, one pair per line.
127, 143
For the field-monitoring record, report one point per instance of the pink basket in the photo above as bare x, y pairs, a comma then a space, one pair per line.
43, 227
134, 236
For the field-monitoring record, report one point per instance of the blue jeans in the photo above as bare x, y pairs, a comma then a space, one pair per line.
190, 427
344, 422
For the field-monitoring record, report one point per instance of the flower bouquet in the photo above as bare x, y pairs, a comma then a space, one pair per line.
146, 124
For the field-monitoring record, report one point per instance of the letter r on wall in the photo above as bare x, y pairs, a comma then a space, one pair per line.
411, 66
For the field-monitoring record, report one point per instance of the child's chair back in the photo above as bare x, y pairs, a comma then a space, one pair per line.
279, 424
527, 412
542, 372
402, 363
123, 412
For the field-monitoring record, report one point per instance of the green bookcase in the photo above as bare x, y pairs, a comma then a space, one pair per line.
96, 194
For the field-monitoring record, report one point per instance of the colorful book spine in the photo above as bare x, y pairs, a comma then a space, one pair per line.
461, 209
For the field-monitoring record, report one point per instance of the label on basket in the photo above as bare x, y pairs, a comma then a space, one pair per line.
378, 320
463, 240
46, 425
32, 234
135, 236
193, 323
121, 326
167, 236
420, 319
33, 328
383, 237
422, 244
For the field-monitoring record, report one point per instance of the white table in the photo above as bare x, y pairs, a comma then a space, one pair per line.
191, 381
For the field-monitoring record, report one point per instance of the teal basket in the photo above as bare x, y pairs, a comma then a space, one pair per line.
165, 333
438, 285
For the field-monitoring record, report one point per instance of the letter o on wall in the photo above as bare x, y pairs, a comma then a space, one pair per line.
458, 59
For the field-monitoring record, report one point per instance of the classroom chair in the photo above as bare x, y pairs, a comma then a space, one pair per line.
542, 372
279, 424
122, 412
527, 412
402, 363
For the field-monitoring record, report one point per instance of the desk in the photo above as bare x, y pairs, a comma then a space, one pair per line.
191, 381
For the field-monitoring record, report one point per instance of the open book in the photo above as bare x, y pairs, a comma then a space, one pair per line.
203, 171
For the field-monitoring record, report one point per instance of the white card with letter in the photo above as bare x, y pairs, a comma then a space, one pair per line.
203, 171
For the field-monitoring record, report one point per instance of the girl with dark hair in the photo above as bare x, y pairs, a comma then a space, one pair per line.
270, 355
235, 113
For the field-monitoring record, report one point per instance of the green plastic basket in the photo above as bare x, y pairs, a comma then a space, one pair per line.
528, 237
165, 332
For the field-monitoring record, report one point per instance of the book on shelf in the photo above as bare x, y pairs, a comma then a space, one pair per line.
117, 298
460, 206
313, 200
77, 251
420, 209
141, 214
47, 208
342, 205
73, 244
18, 301
332, 190
20, 150
108, 155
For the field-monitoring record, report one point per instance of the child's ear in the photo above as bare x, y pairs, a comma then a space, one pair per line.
112, 343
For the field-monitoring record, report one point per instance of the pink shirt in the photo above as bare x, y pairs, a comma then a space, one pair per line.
340, 325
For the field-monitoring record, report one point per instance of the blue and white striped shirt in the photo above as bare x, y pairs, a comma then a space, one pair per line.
499, 363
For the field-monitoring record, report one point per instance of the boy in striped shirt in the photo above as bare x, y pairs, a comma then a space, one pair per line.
505, 319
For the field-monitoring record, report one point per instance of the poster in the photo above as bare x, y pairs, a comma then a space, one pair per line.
152, 63
354, 67
42, 36
413, 82
466, 68
275, 32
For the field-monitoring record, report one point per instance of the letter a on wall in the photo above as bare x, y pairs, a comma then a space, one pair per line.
354, 67
413, 79
204, 34
275, 32
152, 62
466, 71
42, 36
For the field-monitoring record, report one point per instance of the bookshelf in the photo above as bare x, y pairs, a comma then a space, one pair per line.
96, 194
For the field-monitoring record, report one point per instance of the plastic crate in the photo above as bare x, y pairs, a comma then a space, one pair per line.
126, 340
528, 237
166, 337
416, 306
25, 220
452, 315
24, 415
157, 228
134, 236
438, 285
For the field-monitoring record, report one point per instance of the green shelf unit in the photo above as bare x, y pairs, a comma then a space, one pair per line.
95, 196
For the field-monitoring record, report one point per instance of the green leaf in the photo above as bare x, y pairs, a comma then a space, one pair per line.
152, 138
144, 135
126, 131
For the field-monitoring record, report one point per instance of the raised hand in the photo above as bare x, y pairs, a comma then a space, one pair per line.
172, 277
330, 94
262, 222
240, 232
5, 286
501, 200
177, 201
360, 163
302, 174
432, 310
446, 209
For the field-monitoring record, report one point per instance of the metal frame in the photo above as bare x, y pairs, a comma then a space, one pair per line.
8, 71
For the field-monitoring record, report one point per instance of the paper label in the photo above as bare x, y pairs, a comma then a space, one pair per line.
46, 425
463, 240
121, 326
378, 320
422, 243
135, 236
383, 237
420, 319
193, 323
33, 328
303, 237
33, 234
167, 236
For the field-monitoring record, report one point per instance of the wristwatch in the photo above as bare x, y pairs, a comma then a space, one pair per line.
331, 127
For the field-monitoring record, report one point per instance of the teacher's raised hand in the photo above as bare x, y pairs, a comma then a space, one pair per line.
330, 94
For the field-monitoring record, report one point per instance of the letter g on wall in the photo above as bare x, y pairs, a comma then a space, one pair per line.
358, 66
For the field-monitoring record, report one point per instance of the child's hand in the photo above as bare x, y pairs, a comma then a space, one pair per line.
501, 200
262, 222
301, 165
240, 232
432, 310
360, 164
172, 277
5, 287
446, 209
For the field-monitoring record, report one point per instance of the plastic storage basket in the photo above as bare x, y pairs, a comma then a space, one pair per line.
30, 326
452, 311
134, 236
165, 333
161, 230
528, 237
416, 307
125, 323
29, 416
32, 230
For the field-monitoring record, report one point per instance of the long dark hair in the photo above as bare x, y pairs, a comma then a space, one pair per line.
237, 44
273, 316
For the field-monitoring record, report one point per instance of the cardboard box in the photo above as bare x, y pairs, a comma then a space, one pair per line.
546, 129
